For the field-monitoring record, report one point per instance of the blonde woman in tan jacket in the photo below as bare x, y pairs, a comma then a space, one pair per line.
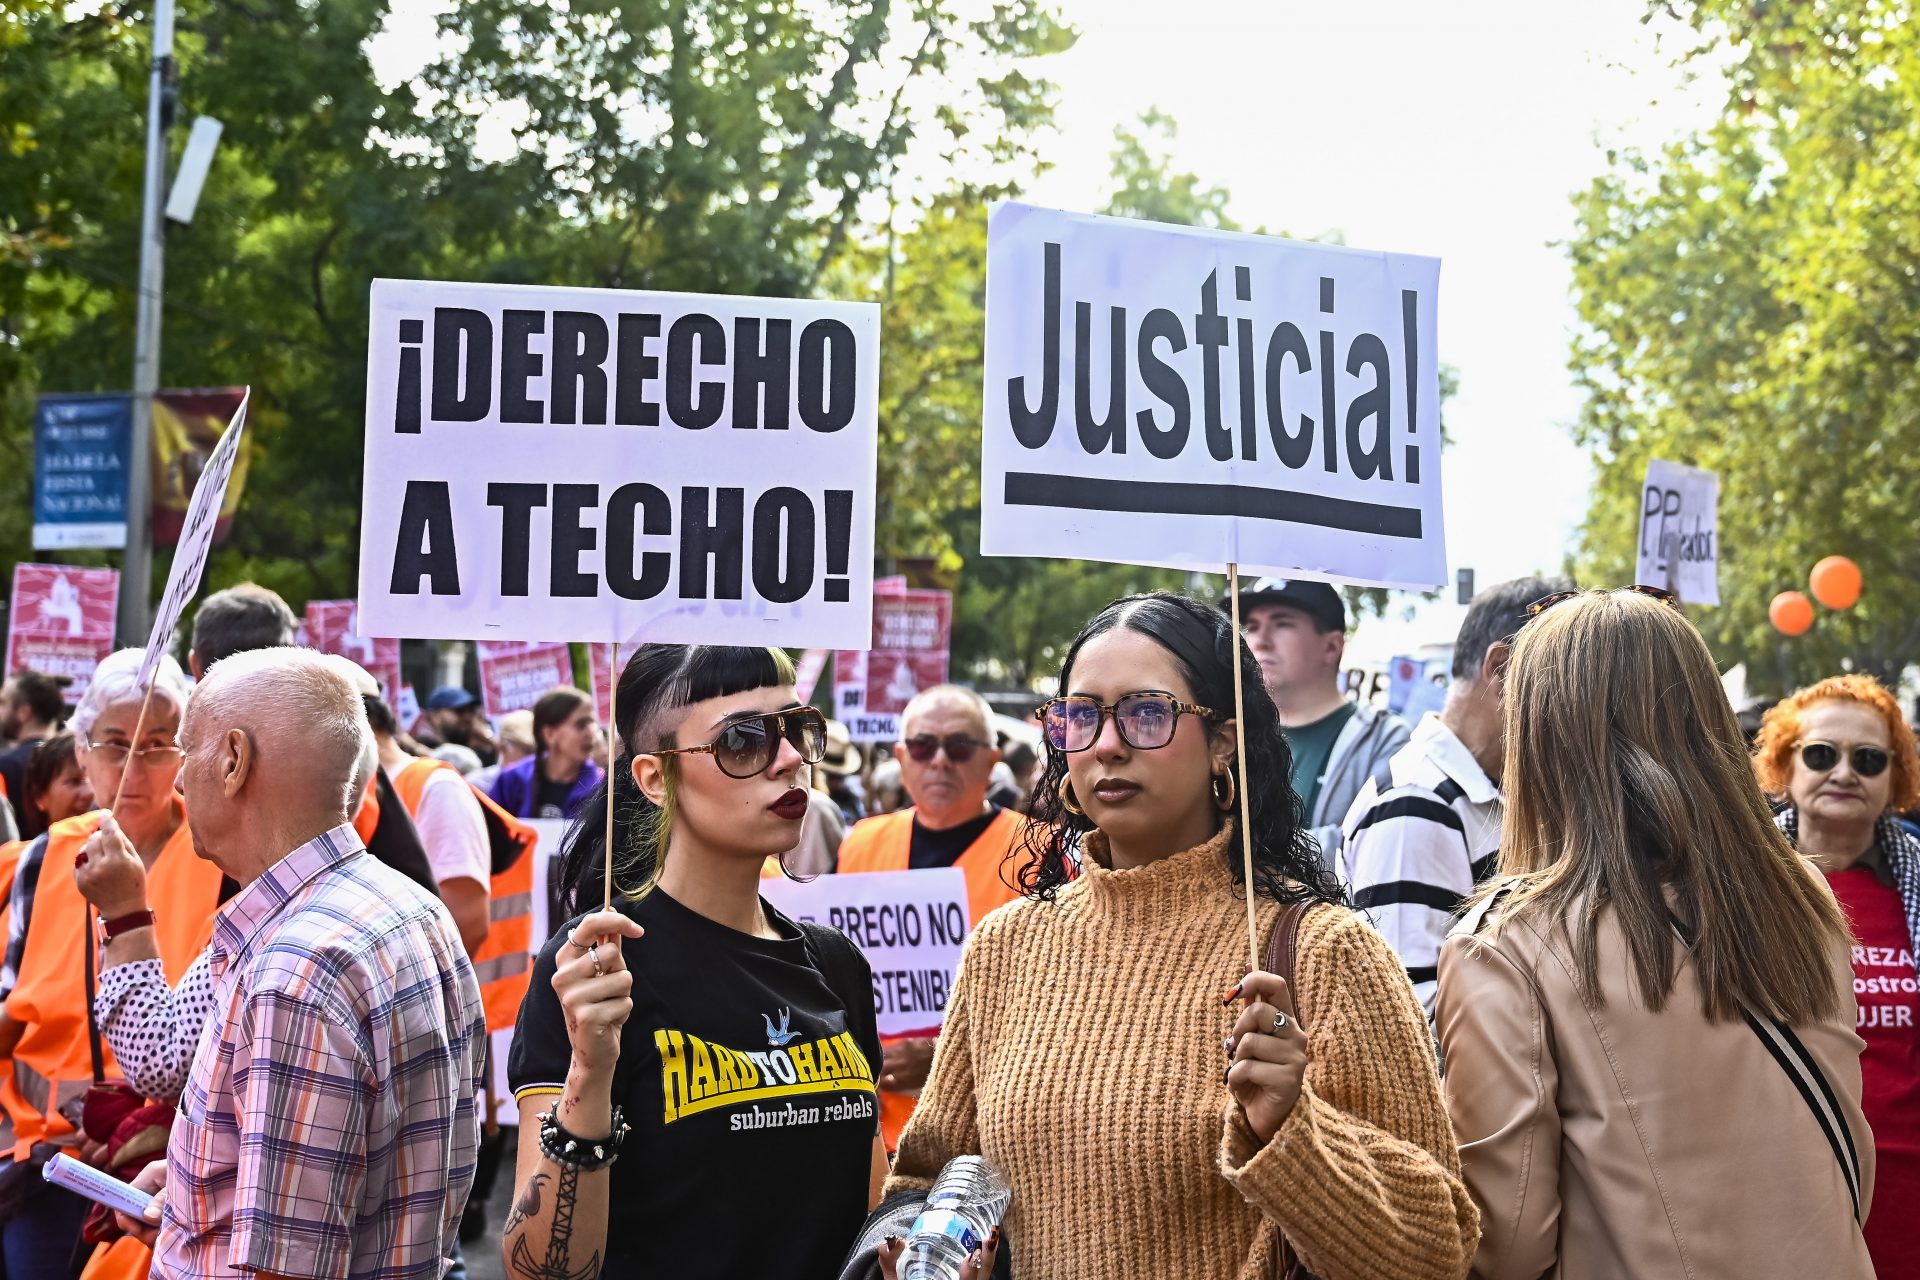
1148, 1127
1623, 1097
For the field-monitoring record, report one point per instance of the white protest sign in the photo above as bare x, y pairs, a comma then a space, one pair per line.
1679, 532
196, 540
609, 465
1169, 396
909, 924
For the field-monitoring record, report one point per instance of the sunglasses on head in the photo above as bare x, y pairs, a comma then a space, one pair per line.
922, 747
1146, 719
748, 745
1545, 603
1824, 757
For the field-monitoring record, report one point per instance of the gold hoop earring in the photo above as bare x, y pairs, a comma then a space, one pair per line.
1067, 801
1224, 803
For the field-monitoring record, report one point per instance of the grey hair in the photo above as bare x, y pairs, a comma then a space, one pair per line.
959, 693
303, 690
118, 680
1495, 617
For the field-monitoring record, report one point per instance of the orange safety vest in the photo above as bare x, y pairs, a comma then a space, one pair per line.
367, 816
51, 1064
10, 853
504, 962
883, 843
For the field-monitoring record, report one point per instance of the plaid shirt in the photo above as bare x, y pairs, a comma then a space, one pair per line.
329, 1126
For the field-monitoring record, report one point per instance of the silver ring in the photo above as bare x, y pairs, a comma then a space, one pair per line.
573, 941
1279, 1023
593, 954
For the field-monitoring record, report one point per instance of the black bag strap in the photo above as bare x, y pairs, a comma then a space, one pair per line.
1785, 1048
1283, 952
93, 1025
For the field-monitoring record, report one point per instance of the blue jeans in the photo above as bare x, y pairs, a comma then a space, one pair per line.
39, 1243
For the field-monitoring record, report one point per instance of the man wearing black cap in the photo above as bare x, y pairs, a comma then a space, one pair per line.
1297, 632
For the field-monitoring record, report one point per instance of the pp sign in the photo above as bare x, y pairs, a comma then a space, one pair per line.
1679, 531
614, 466
1168, 396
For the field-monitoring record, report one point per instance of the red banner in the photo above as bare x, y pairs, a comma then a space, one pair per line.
333, 626
513, 676
186, 426
912, 633
61, 621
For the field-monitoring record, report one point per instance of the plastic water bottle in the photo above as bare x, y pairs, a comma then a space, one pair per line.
966, 1203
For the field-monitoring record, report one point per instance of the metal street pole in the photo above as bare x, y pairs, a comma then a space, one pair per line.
136, 567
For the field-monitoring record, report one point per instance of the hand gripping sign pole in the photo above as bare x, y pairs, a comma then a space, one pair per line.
1240, 765
189, 564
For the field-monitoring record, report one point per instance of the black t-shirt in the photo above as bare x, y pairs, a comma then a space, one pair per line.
550, 797
933, 849
747, 1072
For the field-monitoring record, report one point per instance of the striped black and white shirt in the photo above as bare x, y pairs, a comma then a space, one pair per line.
1421, 834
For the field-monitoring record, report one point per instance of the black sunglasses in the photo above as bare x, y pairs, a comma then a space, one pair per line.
922, 747
1146, 719
1545, 603
1823, 757
748, 745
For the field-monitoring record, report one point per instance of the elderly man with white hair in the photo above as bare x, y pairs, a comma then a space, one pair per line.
329, 1123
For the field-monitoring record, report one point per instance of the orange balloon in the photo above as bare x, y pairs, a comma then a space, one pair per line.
1792, 613
1836, 582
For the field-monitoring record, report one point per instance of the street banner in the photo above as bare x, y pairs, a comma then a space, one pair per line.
81, 445
333, 626
196, 540
1179, 397
909, 924
806, 673
186, 427
60, 622
406, 708
1679, 532
514, 676
912, 635
618, 466
600, 676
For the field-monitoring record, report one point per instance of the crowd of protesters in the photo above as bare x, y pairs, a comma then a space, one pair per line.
1572, 977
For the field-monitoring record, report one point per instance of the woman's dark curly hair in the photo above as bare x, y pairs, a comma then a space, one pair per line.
659, 680
1286, 862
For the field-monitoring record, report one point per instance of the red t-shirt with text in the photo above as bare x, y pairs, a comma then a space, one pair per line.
1887, 989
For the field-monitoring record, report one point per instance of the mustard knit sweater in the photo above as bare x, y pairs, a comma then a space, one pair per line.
1082, 1055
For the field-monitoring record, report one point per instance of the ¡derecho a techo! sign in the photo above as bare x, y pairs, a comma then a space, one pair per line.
606, 465
1169, 396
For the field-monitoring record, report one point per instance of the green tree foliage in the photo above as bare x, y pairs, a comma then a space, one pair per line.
713, 145
1751, 301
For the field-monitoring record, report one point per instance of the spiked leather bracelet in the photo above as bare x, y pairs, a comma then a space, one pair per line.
584, 1154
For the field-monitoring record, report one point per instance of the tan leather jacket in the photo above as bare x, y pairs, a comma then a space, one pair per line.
1622, 1144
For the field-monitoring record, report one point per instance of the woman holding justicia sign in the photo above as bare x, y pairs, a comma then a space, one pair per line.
1145, 1130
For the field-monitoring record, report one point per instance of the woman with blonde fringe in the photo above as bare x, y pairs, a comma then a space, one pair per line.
739, 1047
1648, 1017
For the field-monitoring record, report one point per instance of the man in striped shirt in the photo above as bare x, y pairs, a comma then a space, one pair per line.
1425, 829
329, 1125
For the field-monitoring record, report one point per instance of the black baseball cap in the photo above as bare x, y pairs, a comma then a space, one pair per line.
1318, 600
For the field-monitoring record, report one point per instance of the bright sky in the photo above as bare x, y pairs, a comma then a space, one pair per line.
1421, 126
1454, 130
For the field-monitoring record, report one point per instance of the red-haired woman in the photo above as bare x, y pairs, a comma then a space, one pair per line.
1843, 758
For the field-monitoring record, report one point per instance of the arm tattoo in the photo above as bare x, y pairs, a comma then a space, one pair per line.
559, 1235
527, 1206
